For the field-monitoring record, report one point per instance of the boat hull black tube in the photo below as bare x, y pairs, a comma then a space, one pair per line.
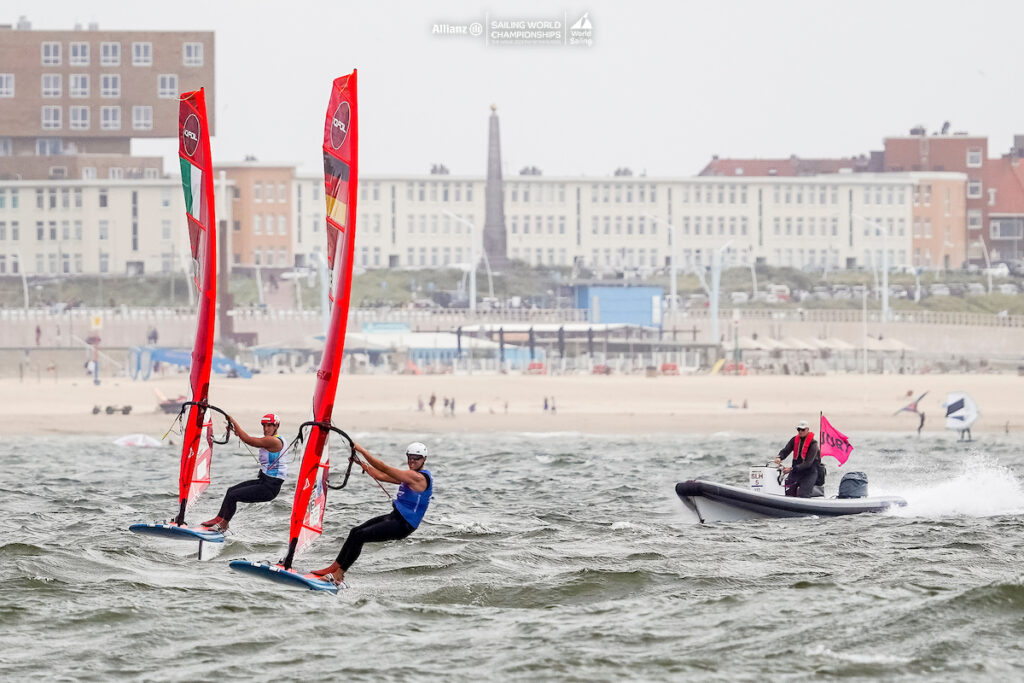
712, 502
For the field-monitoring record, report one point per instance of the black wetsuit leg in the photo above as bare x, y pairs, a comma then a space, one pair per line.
390, 527
258, 490
806, 482
800, 484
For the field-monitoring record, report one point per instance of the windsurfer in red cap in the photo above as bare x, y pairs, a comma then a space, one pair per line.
267, 483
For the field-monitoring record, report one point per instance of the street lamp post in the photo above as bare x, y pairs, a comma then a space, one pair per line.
988, 263
885, 264
716, 280
673, 272
473, 262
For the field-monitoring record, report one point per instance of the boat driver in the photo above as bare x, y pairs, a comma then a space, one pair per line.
267, 483
803, 475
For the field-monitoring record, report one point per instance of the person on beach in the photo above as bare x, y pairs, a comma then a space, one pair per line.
416, 487
267, 483
803, 475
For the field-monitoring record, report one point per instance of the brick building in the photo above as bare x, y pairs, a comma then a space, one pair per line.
72, 101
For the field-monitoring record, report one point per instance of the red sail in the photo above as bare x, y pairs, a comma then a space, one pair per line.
197, 184
341, 154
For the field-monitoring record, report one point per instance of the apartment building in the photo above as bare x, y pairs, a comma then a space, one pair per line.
72, 101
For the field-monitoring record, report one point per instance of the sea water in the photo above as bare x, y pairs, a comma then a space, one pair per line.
542, 557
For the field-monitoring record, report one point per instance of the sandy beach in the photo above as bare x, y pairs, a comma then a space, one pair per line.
583, 403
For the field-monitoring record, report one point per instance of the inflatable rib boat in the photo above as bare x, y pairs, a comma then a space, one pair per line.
713, 502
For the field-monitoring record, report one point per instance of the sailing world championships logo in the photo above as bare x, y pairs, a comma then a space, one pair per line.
339, 124
190, 134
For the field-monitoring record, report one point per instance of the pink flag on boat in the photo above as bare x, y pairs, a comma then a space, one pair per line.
833, 442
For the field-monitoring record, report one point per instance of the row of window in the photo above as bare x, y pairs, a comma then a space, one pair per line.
622, 225
67, 230
889, 193
365, 224
376, 262
539, 223
622, 193
707, 226
439, 256
536, 192
444, 223
80, 117
80, 85
79, 53
264, 224
265, 192
438, 191
619, 258
826, 226
59, 198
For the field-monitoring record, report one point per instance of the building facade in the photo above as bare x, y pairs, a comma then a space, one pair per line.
959, 153
71, 101
626, 223
262, 212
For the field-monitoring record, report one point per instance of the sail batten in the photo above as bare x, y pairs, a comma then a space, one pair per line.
341, 154
197, 186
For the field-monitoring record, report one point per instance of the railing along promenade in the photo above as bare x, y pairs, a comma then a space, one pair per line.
447, 318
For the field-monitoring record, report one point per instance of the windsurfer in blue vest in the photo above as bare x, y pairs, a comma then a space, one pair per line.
803, 475
416, 487
267, 483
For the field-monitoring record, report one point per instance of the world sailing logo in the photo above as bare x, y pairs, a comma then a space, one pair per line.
190, 135
339, 124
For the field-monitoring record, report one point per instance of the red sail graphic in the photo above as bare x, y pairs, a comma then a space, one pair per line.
341, 154
197, 184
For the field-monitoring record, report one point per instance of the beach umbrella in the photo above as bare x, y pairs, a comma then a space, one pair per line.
501, 344
532, 342
561, 342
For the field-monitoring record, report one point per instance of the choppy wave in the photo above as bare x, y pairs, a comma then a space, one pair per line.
555, 557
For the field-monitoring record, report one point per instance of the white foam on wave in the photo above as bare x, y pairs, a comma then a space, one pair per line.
982, 488
857, 657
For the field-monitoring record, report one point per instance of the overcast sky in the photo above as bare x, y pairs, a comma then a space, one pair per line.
664, 86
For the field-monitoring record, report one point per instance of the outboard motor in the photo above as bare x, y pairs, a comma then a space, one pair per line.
853, 485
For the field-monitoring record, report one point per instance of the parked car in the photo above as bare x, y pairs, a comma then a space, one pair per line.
998, 270
821, 293
1007, 288
739, 297
957, 289
976, 289
938, 289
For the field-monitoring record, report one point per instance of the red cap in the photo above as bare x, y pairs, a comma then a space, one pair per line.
270, 418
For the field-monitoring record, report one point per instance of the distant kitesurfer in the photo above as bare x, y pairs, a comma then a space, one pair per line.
267, 483
803, 475
416, 487
920, 425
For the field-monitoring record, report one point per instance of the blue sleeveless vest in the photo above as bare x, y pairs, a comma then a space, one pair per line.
412, 505
272, 464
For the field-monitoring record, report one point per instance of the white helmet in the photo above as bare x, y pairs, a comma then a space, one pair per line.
416, 448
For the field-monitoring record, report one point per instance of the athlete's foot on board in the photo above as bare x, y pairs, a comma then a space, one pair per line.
334, 573
216, 524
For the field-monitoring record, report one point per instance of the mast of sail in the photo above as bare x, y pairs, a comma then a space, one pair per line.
197, 183
341, 155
